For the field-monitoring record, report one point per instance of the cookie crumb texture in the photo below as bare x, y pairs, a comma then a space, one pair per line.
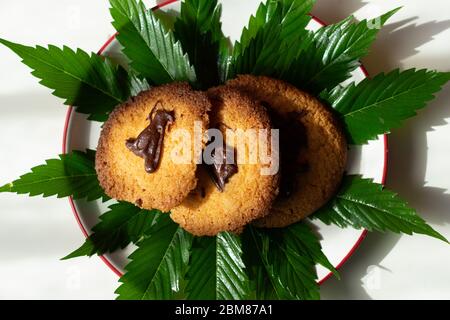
247, 195
319, 165
121, 173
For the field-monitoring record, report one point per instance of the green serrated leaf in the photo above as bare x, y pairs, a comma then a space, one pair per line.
375, 106
137, 85
258, 57
152, 50
92, 83
300, 238
71, 175
199, 30
256, 23
274, 33
330, 54
166, 17
159, 265
292, 18
276, 268
297, 273
87, 249
295, 17
265, 285
216, 270
123, 224
361, 203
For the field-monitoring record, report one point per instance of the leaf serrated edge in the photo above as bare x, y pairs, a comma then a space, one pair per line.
431, 232
167, 34
179, 233
19, 52
267, 267
86, 249
176, 234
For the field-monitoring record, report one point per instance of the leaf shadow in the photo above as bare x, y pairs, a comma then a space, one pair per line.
401, 40
339, 11
370, 253
408, 159
408, 146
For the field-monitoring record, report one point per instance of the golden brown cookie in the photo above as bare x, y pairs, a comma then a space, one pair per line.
312, 145
122, 173
248, 194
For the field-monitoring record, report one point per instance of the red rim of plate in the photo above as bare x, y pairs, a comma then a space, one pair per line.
113, 268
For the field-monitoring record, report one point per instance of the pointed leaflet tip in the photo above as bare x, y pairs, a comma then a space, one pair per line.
4, 41
433, 233
379, 22
7, 187
7, 43
15, 47
385, 17
87, 249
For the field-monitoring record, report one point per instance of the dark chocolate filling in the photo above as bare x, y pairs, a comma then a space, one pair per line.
222, 168
221, 171
148, 145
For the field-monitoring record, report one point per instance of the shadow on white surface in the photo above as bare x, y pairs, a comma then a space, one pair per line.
408, 148
36, 232
367, 257
401, 40
332, 11
409, 162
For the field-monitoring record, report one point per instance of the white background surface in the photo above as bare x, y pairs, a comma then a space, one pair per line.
36, 232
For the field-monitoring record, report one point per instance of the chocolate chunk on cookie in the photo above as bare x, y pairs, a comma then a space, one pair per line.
140, 152
230, 195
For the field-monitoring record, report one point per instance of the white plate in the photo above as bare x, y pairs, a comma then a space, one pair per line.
338, 244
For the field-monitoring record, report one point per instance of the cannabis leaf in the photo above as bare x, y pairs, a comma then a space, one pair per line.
256, 25
264, 281
292, 18
330, 54
71, 175
281, 262
123, 224
274, 33
300, 238
361, 203
92, 83
258, 58
216, 270
199, 30
375, 106
293, 33
158, 266
137, 85
152, 50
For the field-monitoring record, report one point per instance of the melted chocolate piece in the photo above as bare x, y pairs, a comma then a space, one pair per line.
221, 170
148, 145
293, 142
